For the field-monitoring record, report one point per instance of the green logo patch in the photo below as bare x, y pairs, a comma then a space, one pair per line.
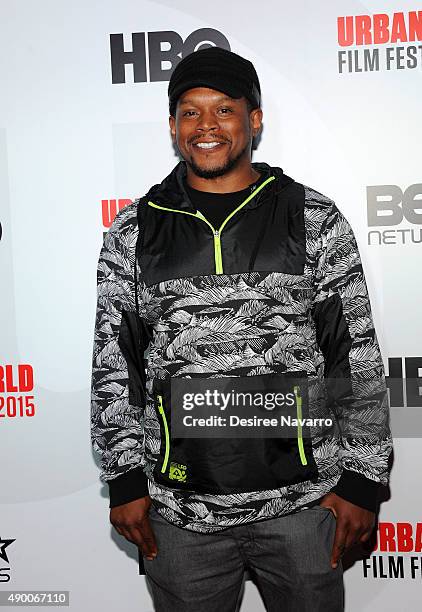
177, 472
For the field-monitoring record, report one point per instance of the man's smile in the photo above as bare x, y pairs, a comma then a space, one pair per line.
208, 146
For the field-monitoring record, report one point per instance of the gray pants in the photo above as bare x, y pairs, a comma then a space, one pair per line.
288, 558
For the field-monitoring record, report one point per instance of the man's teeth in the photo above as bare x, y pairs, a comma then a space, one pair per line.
207, 145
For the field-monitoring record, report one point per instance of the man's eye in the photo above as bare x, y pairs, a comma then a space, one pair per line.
225, 110
188, 113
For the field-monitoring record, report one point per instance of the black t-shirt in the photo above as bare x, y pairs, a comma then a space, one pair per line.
216, 207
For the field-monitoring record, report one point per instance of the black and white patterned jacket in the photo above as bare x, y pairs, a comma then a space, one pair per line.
278, 294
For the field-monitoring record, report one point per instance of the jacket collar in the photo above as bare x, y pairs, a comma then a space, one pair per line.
171, 192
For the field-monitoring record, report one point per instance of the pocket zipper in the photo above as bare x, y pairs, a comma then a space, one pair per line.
303, 459
166, 432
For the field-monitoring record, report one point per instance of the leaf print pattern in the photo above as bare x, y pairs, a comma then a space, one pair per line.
246, 324
116, 425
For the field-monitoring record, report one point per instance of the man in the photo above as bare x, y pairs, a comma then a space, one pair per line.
235, 277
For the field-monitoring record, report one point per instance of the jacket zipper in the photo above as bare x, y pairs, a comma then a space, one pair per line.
166, 433
217, 232
298, 397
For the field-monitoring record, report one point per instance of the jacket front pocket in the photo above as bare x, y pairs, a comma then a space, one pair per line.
167, 470
219, 464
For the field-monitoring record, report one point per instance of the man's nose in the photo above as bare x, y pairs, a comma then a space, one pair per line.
207, 122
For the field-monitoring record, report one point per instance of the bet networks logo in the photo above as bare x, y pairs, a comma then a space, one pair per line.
389, 206
154, 55
396, 539
4, 560
16, 385
379, 29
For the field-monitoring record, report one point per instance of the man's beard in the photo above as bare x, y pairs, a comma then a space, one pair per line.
211, 173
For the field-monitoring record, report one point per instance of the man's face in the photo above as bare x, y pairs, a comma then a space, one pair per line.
214, 132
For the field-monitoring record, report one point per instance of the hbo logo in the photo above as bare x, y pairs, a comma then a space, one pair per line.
159, 51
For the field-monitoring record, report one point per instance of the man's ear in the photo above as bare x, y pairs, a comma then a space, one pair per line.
256, 121
172, 123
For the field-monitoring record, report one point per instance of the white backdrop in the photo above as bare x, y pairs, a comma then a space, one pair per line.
70, 139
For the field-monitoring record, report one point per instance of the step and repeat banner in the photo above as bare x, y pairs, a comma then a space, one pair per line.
83, 131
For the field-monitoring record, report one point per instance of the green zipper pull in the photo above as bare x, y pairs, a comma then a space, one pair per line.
166, 433
298, 397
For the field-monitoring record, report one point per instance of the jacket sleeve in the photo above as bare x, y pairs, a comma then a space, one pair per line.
118, 369
354, 372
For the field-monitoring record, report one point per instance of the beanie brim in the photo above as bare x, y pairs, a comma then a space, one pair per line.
212, 83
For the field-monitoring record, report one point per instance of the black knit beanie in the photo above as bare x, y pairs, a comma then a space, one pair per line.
218, 69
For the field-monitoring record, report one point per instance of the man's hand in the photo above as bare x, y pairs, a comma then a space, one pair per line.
132, 522
354, 524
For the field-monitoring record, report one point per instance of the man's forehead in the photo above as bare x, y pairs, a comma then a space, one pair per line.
195, 94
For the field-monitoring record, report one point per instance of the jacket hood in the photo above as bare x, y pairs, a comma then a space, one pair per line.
171, 192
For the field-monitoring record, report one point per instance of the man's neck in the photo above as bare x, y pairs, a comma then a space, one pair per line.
232, 181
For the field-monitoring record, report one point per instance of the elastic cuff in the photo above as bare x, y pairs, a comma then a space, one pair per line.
355, 488
129, 486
